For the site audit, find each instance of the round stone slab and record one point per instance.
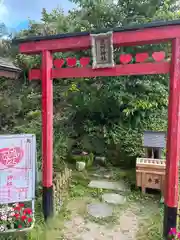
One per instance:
(100, 210)
(113, 198)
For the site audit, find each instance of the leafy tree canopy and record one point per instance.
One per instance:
(103, 115)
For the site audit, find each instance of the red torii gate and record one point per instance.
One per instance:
(130, 36)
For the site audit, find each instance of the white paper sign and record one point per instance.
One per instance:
(17, 168)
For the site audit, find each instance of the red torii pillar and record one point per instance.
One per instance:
(47, 132)
(173, 141)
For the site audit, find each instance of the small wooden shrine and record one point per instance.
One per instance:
(8, 69)
(150, 170)
(154, 143)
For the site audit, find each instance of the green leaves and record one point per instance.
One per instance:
(104, 115)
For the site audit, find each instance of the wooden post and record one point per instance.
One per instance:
(173, 141)
(47, 133)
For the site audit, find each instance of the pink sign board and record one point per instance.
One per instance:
(17, 168)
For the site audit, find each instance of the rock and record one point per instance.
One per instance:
(91, 226)
(80, 166)
(129, 224)
(104, 184)
(100, 210)
(108, 176)
(113, 198)
(77, 221)
(87, 236)
(100, 160)
(117, 236)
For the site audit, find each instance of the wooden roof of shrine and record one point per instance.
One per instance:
(6, 64)
(117, 29)
(8, 69)
(154, 139)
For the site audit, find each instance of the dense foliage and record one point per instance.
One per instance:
(105, 116)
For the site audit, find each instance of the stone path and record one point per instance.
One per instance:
(81, 229)
(84, 228)
(88, 221)
(78, 229)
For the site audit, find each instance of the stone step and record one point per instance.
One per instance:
(100, 176)
(99, 210)
(113, 198)
(104, 184)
